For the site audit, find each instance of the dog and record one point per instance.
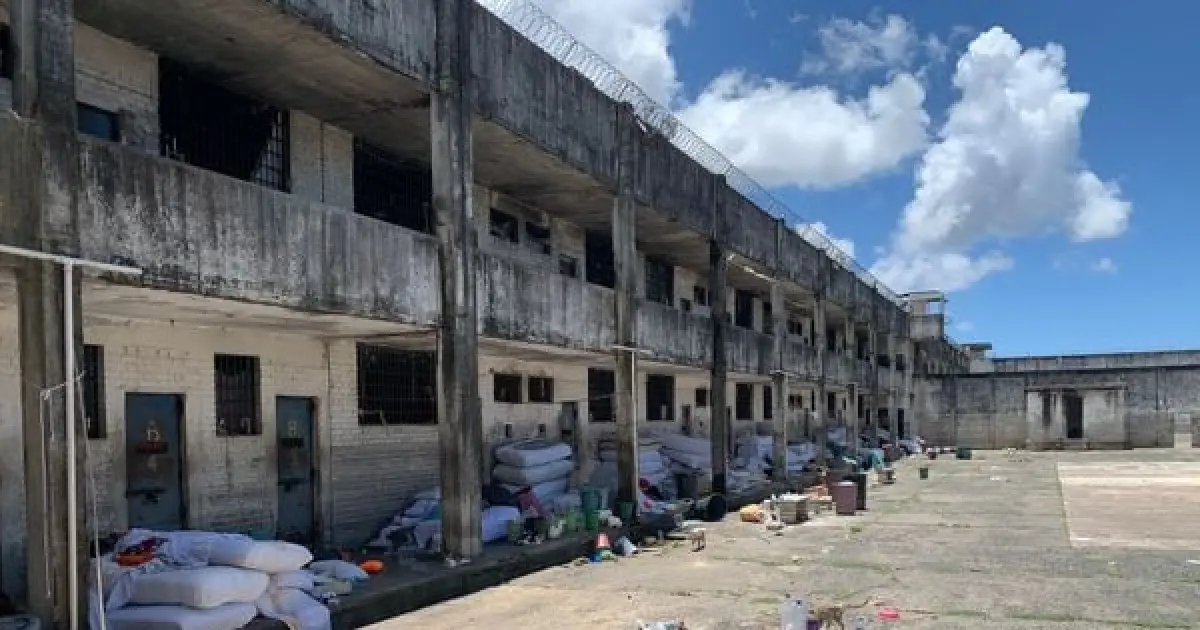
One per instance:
(699, 538)
(829, 615)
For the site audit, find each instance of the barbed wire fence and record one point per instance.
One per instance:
(536, 25)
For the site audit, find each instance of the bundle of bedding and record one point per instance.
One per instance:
(194, 580)
(652, 465)
(419, 524)
(541, 466)
(687, 454)
(757, 452)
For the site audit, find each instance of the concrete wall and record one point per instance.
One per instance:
(993, 410)
(1096, 361)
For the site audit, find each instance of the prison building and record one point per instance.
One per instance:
(374, 240)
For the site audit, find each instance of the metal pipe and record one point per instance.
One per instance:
(72, 491)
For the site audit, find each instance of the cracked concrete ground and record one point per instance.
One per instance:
(985, 543)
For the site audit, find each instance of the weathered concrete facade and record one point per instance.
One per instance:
(1129, 400)
(298, 275)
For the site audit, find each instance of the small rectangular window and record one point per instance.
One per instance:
(743, 309)
(504, 226)
(541, 389)
(768, 403)
(599, 262)
(236, 380)
(93, 391)
(685, 305)
(660, 281)
(701, 397)
(660, 397)
(602, 385)
(396, 386)
(768, 319)
(98, 123)
(539, 238)
(506, 388)
(7, 60)
(744, 401)
(568, 266)
(700, 295)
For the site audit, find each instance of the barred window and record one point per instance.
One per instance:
(237, 394)
(396, 386)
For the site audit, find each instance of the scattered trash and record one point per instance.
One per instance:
(889, 614)
(661, 625)
(625, 547)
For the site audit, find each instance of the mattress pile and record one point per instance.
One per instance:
(756, 452)
(687, 454)
(652, 464)
(542, 466)
(193, 580)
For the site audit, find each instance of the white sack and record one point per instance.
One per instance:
(545, 491)
(300, 579)
(225, 617)
(295, 608)
(205, 587)
(529, 453)
(532, 475)
(272, 556)
(338, 570)
(495, 522)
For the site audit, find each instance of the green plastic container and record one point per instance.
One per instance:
(591, 521)
(625, 512)
(589, 498)
(923, 472)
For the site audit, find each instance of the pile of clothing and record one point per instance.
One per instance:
(418, 525)
(194, 580)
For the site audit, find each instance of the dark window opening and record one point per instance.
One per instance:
(700, 295)
(213, 128)
(504, 226)
(396, 386)
(568, 266)
(885, 360)
(830, 340)
(541, 389)
(392, 190)
(743, 309)
(602, 384)
(831, 404)
(236, 381)
(8, 61)
(685, 305)
(660, 397)
(1073, 410)
(599, 263)
(93, 391)
(901, 363)
(506, 388)
(743, 401)
(862, 407)
(539, 238)
(1047, 409)
(701, 397)
(768, 319)
(98, 123)
(901, 430)
(660, 281)
(768, 403)
(795, 327)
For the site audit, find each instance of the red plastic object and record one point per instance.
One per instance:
(889, 614)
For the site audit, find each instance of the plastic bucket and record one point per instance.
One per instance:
(591, 520)
(589, 498)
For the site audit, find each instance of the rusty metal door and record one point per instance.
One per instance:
(296, 470)
(154, 461)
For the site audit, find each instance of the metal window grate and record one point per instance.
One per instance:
(541, 389)
(602, 385)
(660, 397)
(392, 190)
(396, 386)
(93, 392)
(211, 127)
(236, 381)
(506, 388)
(744, 401)
(660, 281)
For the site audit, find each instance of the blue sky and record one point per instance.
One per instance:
(1058, 267)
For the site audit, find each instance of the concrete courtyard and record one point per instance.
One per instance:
(1026, 540)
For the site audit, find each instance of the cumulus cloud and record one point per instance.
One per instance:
(780, 133)
(1005, 165)
(784, 134)
(849, 46)
(632, 35)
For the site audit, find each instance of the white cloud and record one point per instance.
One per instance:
(784, 134)
(1104, 265)
(1006, 165)
(844, 244)
(848, 46)
(630, 34)
(780, 133)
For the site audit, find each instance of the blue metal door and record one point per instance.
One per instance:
(294, 451)
(154, 461)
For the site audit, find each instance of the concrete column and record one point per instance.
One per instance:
(893, 390)
(820, 413)
(871, 387)
(779, 382)
(43, 218)
(625, 261)
(718, 274)
(460, 420)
